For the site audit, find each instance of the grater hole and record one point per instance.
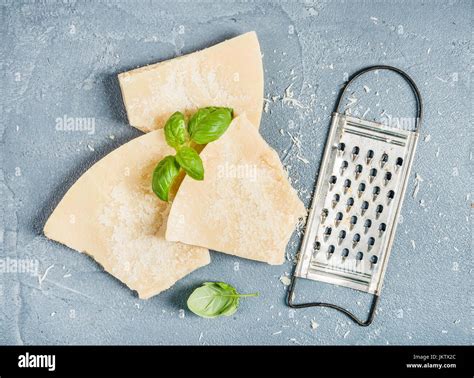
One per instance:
(324, 214)
(359, 256)
(373, 172)
(375, 192)
(327, 233)
(355, 153)
(382, 227)
(342, 236)
(374, 259)
(399, 162)
(364, 206)
(371, 242)
(362, 187)
(388, 177)
(347, 183)
(384, 158)
(345, 252)
(353, 220)
(316, 248)
(339, 216)
(349, 203)
(356, 238)
(331, 249)
(335, 200)
(358, 170)
(341, 147)
(332, 180)
(344, 165)
(378, 211)
(367, 223)
(370, 156)
(390, 194)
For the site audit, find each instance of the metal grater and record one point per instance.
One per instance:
(356, 204)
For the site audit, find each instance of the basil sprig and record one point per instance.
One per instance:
(205, 126)
(214, 299)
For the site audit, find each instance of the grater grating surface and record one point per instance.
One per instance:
(356, 204)
(354, 215)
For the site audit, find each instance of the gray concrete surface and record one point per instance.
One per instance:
(61, 59)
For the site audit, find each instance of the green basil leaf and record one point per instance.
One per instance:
(215, 299)
(175, 130)
(209, 301)
(191, 162)
(163, 177)
(208, 124)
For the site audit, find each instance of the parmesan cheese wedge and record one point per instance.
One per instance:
(245, 205)
(227, 74)
(111, 214)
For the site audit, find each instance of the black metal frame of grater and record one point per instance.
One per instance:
(366, 276)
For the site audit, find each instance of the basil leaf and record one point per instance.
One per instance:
(175, 130)
(215, 299)
(208, 124)
(191, 162)
(163, 176)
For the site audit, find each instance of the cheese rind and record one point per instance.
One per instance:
(245, 205)
(111, 214)
(227, 74)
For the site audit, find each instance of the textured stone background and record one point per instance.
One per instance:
(62, 59)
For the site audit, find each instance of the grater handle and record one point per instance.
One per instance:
(404, 75)
(346, 312)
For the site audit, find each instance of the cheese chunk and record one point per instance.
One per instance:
(111, 214)
(245, 206)
(227, 74)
